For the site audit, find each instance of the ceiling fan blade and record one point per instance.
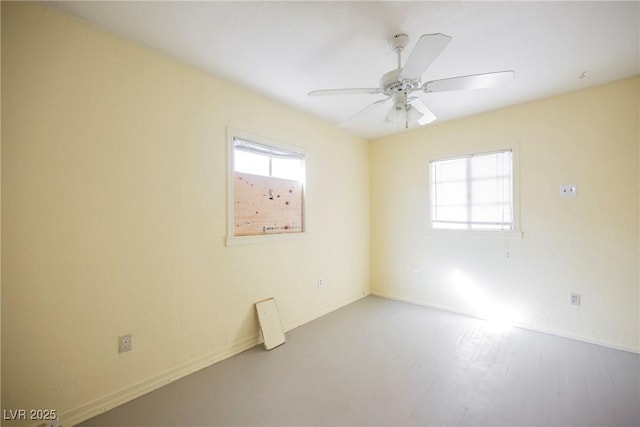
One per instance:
(352, 91)
(366, 109)
(424, 53)
(427, 115)
(476, 81)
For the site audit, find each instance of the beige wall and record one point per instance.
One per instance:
(114, 173)
(588, 244)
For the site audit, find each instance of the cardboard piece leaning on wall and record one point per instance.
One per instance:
(270, 324)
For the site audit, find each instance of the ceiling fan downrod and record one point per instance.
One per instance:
(398, 43)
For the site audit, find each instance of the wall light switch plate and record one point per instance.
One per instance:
(568, 190)
(575, 299)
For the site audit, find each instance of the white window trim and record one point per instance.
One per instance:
(231, 239)
(515, 233)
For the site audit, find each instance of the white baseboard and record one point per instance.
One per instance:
(322, 312)
(127, 394)
(521, 326)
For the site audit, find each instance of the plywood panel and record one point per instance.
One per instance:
(270, 324)
(266, 205)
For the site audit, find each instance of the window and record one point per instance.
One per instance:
(473, 192)
(257, 159)
(267, 190)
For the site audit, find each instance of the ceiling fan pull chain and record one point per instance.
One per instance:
(406, 116)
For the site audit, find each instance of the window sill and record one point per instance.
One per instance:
(267, 238)
(515, 234)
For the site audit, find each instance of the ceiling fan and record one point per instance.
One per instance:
(398, 85)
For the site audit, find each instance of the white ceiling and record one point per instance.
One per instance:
(286, 49)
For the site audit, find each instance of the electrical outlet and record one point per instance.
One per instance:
(124, 343)
(416, 274)
(568, 190)
(575, 299)
(320, 282)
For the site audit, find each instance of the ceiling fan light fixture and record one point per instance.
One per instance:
(396, 115)
(414, 117)
(426, 116)
(405, 116)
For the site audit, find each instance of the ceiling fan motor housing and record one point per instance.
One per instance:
(391, 83)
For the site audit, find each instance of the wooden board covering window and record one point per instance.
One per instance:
(266, 205)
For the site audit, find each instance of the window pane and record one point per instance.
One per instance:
(287, 169)
(451, 193)
(490, 214)
(451, 170)
(483, 166)
(485, 191)
(473, 192)
(451, 213)
(255, 164)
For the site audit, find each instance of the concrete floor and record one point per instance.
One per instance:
(382, 362)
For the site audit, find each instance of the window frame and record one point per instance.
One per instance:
(233, 240)
(515, 232)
